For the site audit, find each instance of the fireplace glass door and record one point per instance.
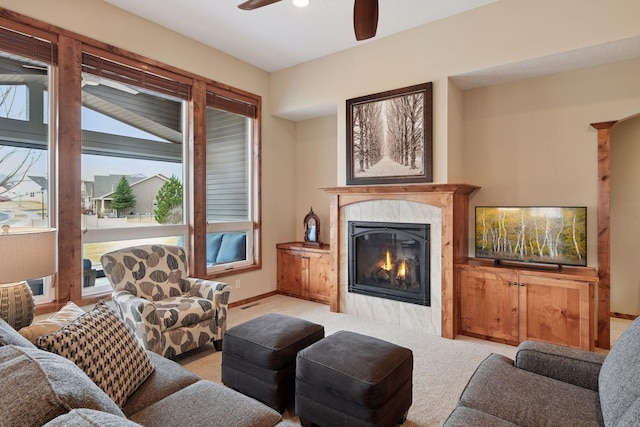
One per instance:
(389, 260)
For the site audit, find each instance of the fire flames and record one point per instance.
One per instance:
(388, 266)
(402, 271)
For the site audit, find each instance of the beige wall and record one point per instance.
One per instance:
(316, 163)
(101, 21)
(625, 215)
(530, 143)
(499, 33)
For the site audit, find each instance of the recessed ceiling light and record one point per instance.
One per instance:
(301, 3)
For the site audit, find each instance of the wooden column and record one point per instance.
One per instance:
(69, 149)
(197, 155)
(604, 232)
(334, 239)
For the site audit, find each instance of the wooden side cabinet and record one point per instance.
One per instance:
(514, 304)
(303, 272)
(489, 305)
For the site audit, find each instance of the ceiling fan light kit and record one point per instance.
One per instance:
(365, 14)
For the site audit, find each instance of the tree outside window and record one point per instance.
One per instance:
(169, 198)
(123, 197)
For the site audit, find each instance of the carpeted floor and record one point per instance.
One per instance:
(442, 367)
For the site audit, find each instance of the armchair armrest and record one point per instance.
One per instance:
(141, 317)
(217, 292)
(571, 365)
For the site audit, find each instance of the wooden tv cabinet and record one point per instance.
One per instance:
(513, 303)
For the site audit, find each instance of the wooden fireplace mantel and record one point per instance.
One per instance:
(453, 199)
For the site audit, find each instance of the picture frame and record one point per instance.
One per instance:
(390, 137)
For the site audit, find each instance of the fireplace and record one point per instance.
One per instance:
(390, 260)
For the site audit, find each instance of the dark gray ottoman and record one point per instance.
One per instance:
(353, 380)
(259, 357)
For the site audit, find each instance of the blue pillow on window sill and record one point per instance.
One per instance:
(233, 248)
(214, 240)
(226, 247)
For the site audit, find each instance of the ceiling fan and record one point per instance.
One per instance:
(365, 15)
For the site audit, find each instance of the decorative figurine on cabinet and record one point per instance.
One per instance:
(312, 230)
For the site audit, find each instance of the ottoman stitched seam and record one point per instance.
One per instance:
(351, 376)
(270, 347)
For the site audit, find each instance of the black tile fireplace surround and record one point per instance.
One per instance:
(390, 260)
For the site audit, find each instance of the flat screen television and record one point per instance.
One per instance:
(534, 234)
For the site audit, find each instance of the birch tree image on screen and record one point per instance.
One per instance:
(554, 235)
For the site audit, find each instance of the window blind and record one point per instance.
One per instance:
(232, 105)
(108, 69)
(28, 46)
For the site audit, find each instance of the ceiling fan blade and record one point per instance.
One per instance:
(254, 4)
(365, 18)
(93, 80)
(35, 67)
(118, 86)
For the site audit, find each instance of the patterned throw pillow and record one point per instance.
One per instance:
(105, 349)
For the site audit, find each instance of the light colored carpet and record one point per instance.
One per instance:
(442, 367)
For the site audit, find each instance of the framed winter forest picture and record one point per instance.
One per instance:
(389, 137)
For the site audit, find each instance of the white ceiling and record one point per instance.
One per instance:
(281, 35)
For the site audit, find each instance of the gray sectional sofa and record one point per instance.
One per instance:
(554, 385)
(42, 388)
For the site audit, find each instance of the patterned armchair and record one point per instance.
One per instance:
(169, 312)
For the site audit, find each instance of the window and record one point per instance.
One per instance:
(25, 187)
(117, 175)
(132, 165)
(94, 281)
(231, 182)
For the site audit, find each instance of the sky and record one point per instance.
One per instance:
(101, 165)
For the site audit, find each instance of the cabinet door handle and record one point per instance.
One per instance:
(522, 284)
(514, 283)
